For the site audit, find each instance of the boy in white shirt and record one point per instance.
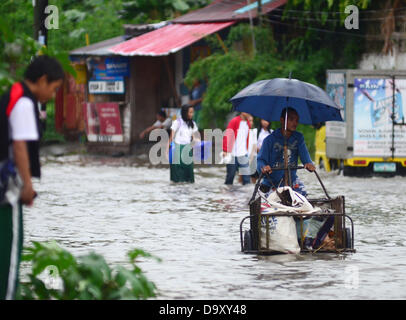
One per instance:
(236, 142)
(20, 132)
(162, 122)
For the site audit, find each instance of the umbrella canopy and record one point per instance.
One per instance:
(267, 98)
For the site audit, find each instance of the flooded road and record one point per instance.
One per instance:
(112, 206)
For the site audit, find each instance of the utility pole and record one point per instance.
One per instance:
(260, 13)
(40, 30)
(41, 35)
(254, 46)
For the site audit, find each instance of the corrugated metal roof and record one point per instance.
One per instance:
(168, 39)
(227, 10)
(102, 48)
(99, 48)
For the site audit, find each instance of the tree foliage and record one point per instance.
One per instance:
(99, 19)
(228, 73)
(311, 39)
(87, 277)
(142, 11)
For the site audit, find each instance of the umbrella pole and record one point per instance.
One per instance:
(285, 159)
(285, 150)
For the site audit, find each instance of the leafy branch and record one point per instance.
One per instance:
(87, 277)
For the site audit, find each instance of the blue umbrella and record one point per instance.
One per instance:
(266, 99)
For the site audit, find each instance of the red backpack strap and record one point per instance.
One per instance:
(16, 93)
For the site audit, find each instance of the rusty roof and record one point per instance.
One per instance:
(168, 39)
(228, 10)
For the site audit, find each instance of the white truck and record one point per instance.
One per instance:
(372, 138)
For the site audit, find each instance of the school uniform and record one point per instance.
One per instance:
(19, 121)
(181, 168)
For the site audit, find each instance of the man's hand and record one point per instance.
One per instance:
(310, 167)
(23, 167)
(27, 194)
(266, 169)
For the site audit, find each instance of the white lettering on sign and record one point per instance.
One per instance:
(99, 87)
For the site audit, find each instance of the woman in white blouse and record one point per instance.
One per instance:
(183, 130)
(265, 131)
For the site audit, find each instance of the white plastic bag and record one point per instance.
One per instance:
(282, 235)
(299, 203)
(282, 230)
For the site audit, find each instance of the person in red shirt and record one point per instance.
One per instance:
(235, 148)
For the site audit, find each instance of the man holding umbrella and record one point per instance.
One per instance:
(304, 103)
(271, 154)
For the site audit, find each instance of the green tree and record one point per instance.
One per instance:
(313, 40)
(144, 11)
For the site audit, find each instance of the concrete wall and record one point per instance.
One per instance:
(378, 61)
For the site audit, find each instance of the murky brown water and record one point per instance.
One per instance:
(111, 206)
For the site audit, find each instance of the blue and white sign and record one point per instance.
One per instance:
(117, 66)
(374, 102)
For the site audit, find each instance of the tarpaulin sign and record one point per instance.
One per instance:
(103, 122)
(374, 102)
(117, 67)
(98, 68)
(336, 89)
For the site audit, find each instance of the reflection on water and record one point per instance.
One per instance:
(111, 206)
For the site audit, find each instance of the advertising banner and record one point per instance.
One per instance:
(374, 101)
(107, 75)
(117, 67)
(336, 89)
(103, 122)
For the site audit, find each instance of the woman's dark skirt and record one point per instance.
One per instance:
(181, 167)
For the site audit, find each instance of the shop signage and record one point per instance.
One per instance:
(106, 86)
(117, 67)
(103, 122)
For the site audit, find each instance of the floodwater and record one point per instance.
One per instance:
(112, 205)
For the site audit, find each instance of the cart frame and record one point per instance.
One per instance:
(343, 235)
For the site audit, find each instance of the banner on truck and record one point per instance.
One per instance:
(336, 89)
(373, 108)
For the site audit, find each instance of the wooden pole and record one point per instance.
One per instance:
(41, 35)
(171, 81)
(260, 13)
(40, 30)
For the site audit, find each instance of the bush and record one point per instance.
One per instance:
(88, 277)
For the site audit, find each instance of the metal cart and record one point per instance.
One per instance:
(343, 225)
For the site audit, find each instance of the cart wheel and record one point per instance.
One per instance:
(248, 241)
(348, 238)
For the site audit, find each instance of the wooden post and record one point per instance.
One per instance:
(170, 77)
(39, 20)
(260, 13)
